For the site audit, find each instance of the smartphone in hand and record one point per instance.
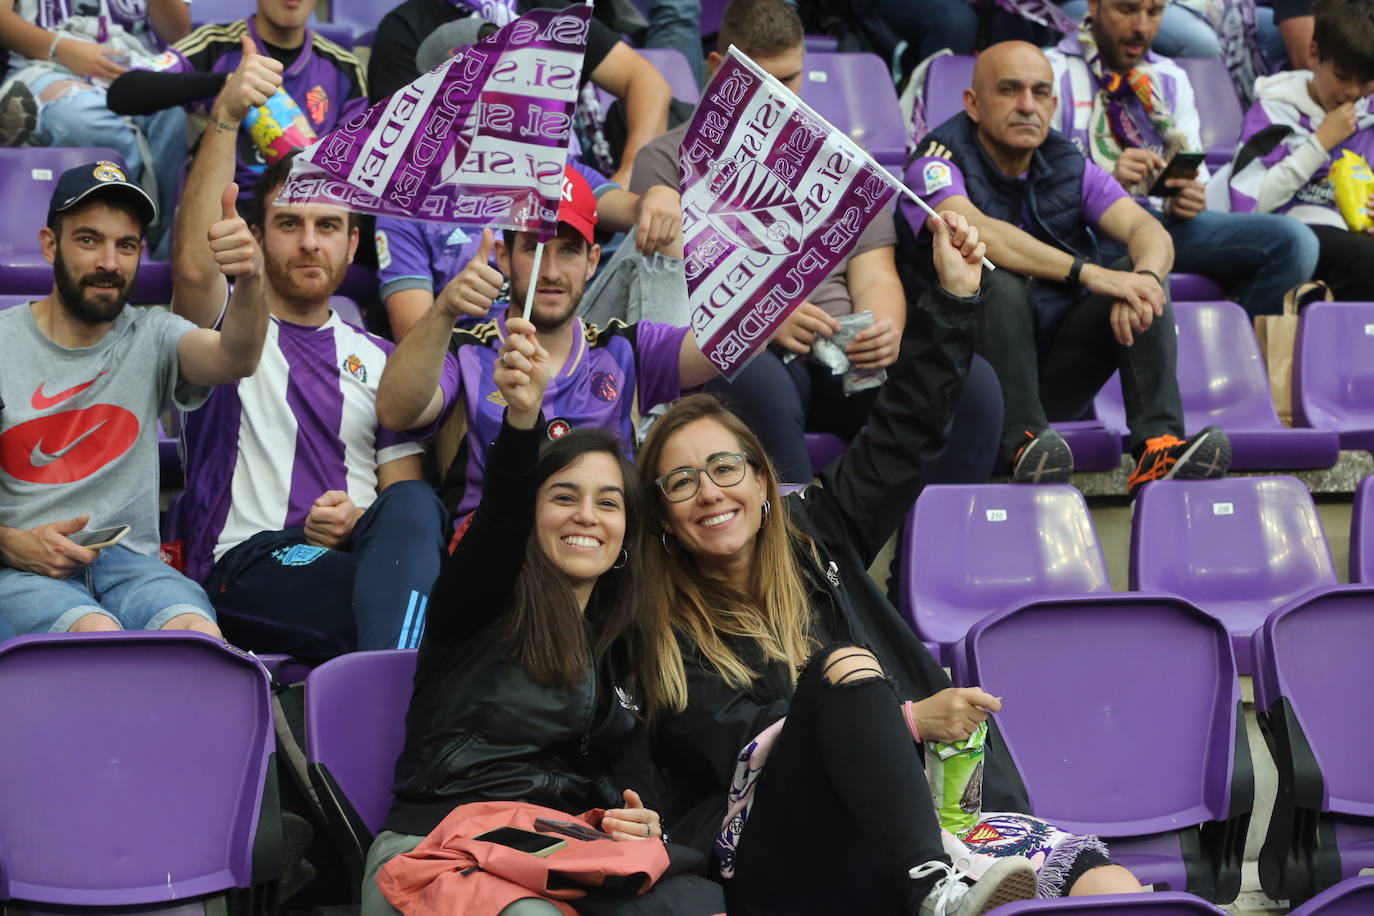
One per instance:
(1183, 165)
(100, 537)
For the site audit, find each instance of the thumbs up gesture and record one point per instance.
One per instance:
(236, 251)
(475, 287)
(253, 81)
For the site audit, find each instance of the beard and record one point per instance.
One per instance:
(545, 318)
(304, 294)
(101, 307)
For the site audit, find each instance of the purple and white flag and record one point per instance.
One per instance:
(498, 11)
(773, 197)
(482, 139)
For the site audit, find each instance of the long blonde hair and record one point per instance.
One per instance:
(774, 612)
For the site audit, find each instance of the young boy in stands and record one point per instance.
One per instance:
(309, 525)
(83, 384)
(1302, 122)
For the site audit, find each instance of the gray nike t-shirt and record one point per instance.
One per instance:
(78, 429)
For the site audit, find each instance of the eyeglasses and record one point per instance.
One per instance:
(725, 470)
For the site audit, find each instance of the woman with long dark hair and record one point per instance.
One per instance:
(538, 645)
(772, 614)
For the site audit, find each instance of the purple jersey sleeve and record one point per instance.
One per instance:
(933, 178)
(599, 183)
(1100, 191)
(403, 254)
(658, 349)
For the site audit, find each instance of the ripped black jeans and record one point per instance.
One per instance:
(842, 810)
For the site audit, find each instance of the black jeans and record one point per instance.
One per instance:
(1345, 260)
(781, 402)
(1057, 379)
(842, 810)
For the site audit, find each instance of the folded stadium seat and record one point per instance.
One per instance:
(1238, 547)
(974, 550)
(1362, 532)
(1333, 371)
(1354, 897)
(1222, 380)
(284, 669)
(355, 709)
(337, 32)
(711, 13)
(138, 774)
(854, 92)
(1167, 903)
(946, 79)
(1094, 446)
(821, 43)
(348, 311)
(1122, 713)
(1194, 288)
(1217, 107)
(1314, 696)
(823, 448)
(675, 69)
(168, 457)
(360, 17)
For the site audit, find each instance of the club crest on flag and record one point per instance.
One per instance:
(757, 209)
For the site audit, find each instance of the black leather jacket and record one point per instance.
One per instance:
(478, 727)
(864, 496)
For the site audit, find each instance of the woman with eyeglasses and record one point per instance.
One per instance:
(785, 668)
(536, 654)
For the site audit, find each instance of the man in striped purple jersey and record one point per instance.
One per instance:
(308, 523)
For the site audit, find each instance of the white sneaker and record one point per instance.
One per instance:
(1009, 880)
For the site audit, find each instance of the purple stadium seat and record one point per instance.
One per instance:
(1167, 903)
(1217, 106)
(675, 69)
(821, 43)
(355, 708)
(1238, 547)
(711, 13)
(137, 770)
(360, 17)
(1222, 380)
(970, 551)
(1333, 371)
(1094, 446)
(854, 92)
(11, 301)
(1314, 694)
(823, 448)
(168, 457)
(348, 311)
(1362, 532)
(284, 669)
(946, 79)
(1354, 897)
(1194, 288)
(1087, 681)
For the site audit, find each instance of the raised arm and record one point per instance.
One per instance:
(409, 395)
(625, 74)
(475, 584)
(218, 357)
(197, 283)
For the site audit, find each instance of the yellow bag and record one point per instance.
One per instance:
(1353, 182)
(1278, 336)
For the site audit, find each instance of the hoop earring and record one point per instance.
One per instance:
(767, 508)
(624, 558)
(663, 536)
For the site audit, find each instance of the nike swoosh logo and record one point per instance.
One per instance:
(39, 458)
(41, 401)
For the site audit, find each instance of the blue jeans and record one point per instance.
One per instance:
(138, 592)
(276, 593)
(1260, 256)
(677, 24)
(1183, 33)
(81, 118)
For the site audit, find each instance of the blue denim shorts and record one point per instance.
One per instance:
(136, 591)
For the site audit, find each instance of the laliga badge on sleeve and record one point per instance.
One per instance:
(936, 175)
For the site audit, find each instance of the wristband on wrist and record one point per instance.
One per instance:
(1158, 278)
(909, 714)
(52, 48)
(1075, 271)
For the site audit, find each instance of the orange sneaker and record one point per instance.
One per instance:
(1203, 457)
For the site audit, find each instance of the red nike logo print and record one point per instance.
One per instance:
(41, 401)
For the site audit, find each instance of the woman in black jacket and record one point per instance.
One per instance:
(528, 674)
(757, 583)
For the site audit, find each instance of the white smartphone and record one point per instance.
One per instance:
(100, 537)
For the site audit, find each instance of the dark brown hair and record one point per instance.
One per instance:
(1344, 34)
(265, 191)
(760, 28)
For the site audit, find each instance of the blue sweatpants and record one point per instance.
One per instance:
(276, 593)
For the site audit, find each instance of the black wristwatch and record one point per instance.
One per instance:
(1075, 270)
(1151, 273)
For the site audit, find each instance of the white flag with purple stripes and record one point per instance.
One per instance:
(773, 197)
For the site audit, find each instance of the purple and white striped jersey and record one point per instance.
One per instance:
(1281, 166)
(261, 451)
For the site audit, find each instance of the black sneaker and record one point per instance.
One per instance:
(18, 114)
(1204, 457)
(1043, 458)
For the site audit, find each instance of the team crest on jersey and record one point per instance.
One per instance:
(354, 367)
(497, 398)
(317, 103)
(557, 428)
(604, 387)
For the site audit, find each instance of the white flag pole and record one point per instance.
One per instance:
(873, 163)
(534, 279)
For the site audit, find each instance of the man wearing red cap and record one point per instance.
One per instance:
(598, 372)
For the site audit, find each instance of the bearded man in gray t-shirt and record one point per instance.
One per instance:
(85, 380)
